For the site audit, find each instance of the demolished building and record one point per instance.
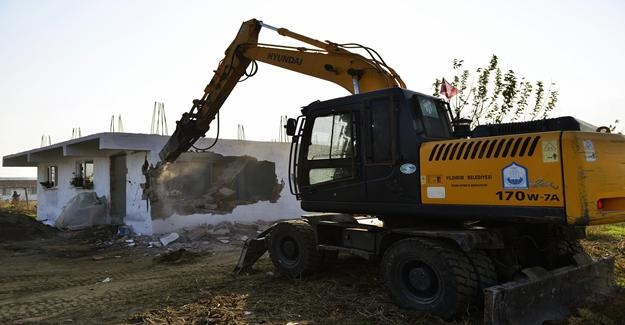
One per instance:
(236, 181)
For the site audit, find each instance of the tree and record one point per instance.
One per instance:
(497, 97)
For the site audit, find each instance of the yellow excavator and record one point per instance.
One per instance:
(489, 216)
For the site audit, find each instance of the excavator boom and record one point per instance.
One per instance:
(328, 61)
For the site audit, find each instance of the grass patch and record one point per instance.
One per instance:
(604, 241)
(616, 230)
(21, 207)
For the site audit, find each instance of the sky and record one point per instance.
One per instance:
(75, 63)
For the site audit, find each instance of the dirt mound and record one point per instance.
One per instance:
(17, 227)
(225, 309)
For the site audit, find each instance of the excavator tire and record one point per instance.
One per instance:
(486, 273)
(431, 276)
(293, 250)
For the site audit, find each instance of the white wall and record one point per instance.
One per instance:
(51, 201)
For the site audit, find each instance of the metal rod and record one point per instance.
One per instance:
(356, 85)
(268, 26)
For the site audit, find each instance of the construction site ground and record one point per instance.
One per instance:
(93, 276)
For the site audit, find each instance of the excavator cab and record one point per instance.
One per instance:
(361, 150)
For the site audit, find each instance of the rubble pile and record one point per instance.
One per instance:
(199, 239)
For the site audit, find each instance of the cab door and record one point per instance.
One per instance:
(379, 125)
(329, 175)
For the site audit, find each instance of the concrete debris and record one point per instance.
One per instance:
(224, 240)
(223, 224)
(246, 226)
(154, 244)
(196, 234)
(83, 211)
(165, 240)
(107, 280)
(226, 193)
(222, 231)
(174, 194)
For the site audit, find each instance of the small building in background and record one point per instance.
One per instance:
(24, 186)
(236, 181)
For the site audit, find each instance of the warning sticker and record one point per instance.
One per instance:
(550, 151)
(589, 151)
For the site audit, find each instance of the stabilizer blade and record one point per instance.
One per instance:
(549, 295)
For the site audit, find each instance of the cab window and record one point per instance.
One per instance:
(331, 137)
(433, 118)
(331, 149)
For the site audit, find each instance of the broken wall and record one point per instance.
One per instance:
(237, 181)
(137, 209)
(210, 183)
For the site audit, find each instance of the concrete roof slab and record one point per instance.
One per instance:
(95, 145)
(17, 160)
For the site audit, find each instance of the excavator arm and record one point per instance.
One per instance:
(327, 60)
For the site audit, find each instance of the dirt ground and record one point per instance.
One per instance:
(93, 277)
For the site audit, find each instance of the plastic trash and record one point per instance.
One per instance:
(166, 240)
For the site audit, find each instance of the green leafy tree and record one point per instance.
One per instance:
(493, 96)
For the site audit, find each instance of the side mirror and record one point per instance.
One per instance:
(291, 126)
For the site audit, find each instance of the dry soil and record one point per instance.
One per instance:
(93, 277)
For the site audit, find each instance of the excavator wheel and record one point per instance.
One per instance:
(431, 276)
(292, 248)
(486, 273)
(485, 268)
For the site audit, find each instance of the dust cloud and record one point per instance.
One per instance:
(209, 183)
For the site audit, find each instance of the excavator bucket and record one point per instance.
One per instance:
(549, 295)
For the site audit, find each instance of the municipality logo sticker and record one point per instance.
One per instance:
(514, 177)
